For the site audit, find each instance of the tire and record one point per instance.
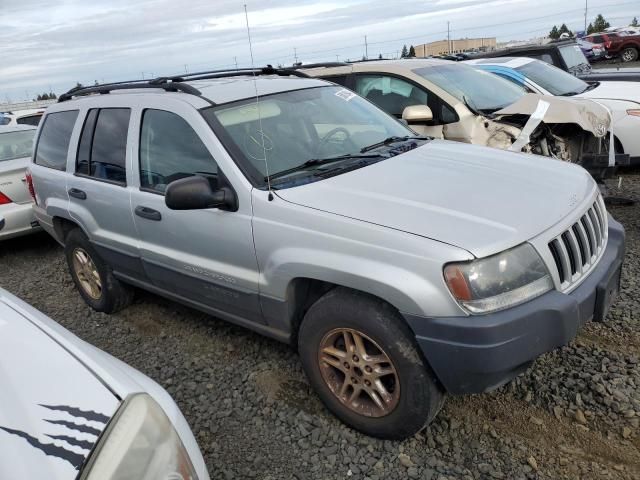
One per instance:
(629, 54)
(111, 294)
(418, 397)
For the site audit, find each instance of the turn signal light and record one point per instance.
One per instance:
(457, 282)
(635, 112)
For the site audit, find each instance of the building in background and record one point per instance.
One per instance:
(443, 47)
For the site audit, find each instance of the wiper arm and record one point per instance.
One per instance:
(390, 140)
(471, 109)
(314, 162)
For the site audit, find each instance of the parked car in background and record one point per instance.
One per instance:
(72, 411)
(592, 51)
(454, 101)
(400, 267)
(566, 56)
(16, 147)
(621, 98)
(626, 47)
(22, 117)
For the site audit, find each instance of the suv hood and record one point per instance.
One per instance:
(480, 199)
(52, 408)
(615, 91)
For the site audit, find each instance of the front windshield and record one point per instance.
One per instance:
(482, 91)
(299, 126)
(552, 79)
(17, 144)
(574, 58)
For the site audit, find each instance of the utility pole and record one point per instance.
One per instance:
(235, 60)
(366, 48)
(185, 68)
(295, 54)
(337, 58)
(448, 39)
(586, 2)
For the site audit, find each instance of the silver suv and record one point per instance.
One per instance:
(400, 267)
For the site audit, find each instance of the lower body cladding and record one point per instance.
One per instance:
(475, 354)
(18, 220)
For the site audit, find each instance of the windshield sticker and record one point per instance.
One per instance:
(345, 94)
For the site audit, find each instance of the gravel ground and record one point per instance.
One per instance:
(574, 414)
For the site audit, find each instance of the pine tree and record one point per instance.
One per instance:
(554, 34)
(39, 97)
(600, 24)
(412, 52)
(405, 52)
(52, 96)
(564, 29)
(590, 29)
(379, 56)
(634, 22)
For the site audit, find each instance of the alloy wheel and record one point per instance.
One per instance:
(87, 273)
(358, 372)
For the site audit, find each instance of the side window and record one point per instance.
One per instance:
(53, 143)
(545, 57)
(30, 120)
(169, 150)
(102, 150)
(391, 94)
(339, 79)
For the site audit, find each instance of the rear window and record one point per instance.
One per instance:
(53, 143)
(16, 144)
(30, 120)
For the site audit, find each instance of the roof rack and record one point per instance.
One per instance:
(319, 65)
(176, 83)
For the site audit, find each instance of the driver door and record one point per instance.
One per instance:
(203, 256)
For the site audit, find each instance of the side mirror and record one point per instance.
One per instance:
(417, 114)
(195, 193)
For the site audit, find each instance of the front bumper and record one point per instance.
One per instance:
(18, 220)
(474, 354)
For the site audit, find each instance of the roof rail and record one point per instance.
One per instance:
(302, 66)
(176, 83)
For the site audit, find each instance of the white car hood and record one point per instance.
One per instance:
(480, 199)
(629, 91)
(52, 408)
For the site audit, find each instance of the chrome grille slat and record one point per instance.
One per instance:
(576, 250)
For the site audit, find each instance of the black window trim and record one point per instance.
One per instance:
(41, 129)
(95, 123)
(437, 98)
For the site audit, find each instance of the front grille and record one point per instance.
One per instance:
(576, 250)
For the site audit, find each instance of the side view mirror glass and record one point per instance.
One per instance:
(417, 114)
(195, 193)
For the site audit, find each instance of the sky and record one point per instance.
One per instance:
(49, 46)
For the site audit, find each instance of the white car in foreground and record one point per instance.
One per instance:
(621, 98)
(16, 146)
(69, 410)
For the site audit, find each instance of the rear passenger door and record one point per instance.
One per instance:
(205, 256)
(99, 199)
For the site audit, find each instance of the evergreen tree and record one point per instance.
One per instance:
(412, 52)
(634, 22)
(564, 29)
(590, 29)
(405, 52)
(600, 24)
(52, 96)
(379, 56)
(554, 33)
(39, 97)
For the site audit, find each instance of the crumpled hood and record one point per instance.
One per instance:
(480, 199)
(52, 408)
(615, 91)
(591, 116)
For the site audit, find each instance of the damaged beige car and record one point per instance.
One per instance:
(444, 99)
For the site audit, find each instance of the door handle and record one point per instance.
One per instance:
(79, 194)
(148, 213)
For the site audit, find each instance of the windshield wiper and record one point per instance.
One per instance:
(314, 162)
(473, 110)
(591, 86)
(390, 140)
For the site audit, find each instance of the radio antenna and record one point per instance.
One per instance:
(255, 85)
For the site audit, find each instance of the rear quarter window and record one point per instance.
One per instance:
(55, 136)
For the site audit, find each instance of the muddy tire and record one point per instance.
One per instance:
(362, 360)
(629, 54)
(93, 277)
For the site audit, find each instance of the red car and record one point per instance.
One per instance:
(627, 47)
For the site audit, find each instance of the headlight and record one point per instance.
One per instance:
(140, 443)
(635, 112)
(500, 281)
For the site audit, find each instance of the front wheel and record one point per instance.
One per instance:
(629, 55)
(362, 360)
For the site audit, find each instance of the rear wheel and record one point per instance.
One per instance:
(362, 359)
(629, 54)
(93, 277)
